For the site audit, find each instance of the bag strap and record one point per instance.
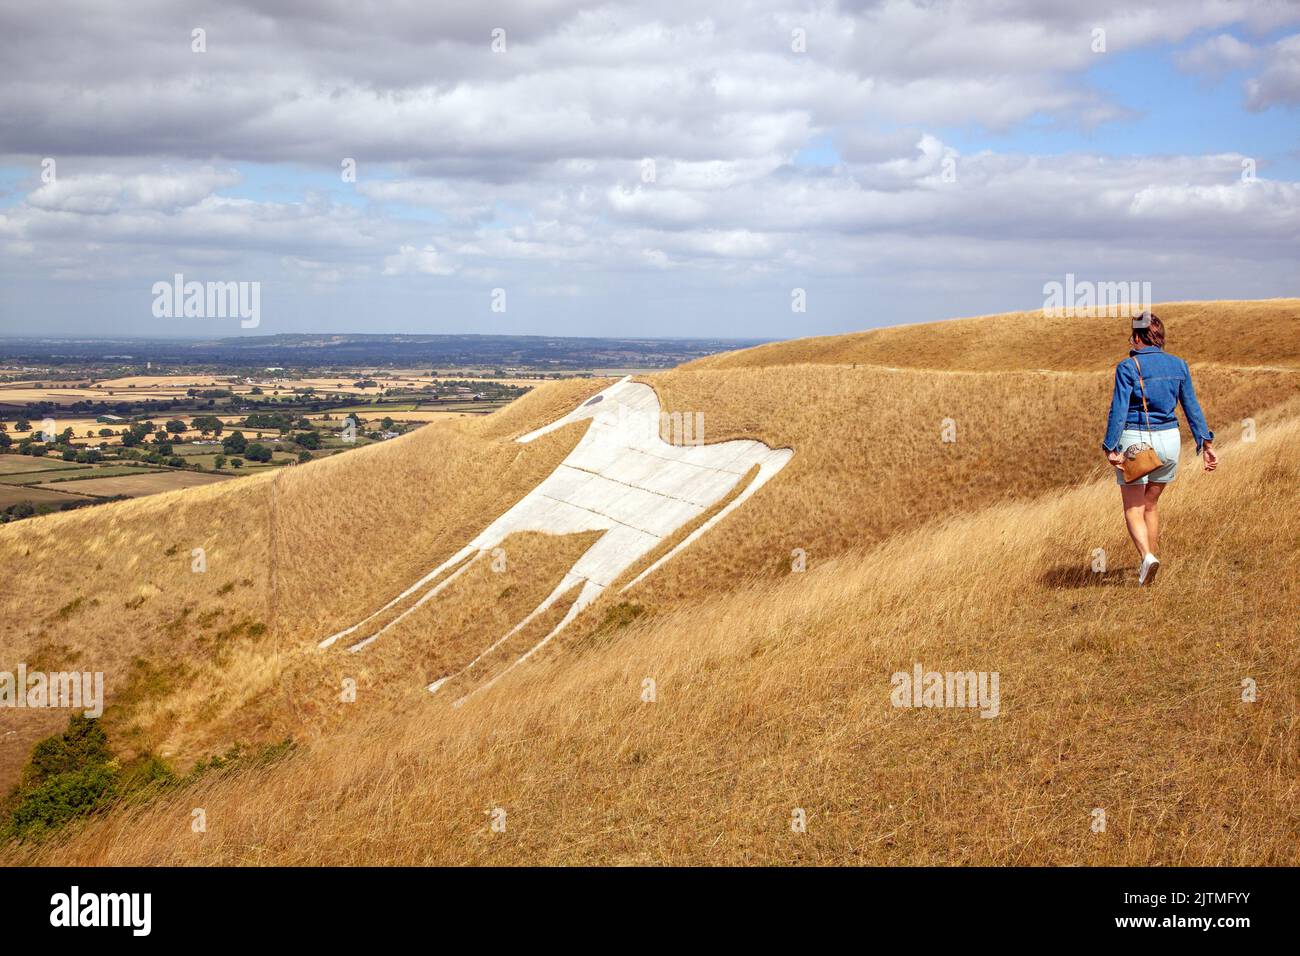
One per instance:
(1143, 386)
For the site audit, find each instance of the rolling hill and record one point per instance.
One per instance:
(685, 719)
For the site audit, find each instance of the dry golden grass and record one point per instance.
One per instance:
(778, 697)
(291, 557)
(773, 686)
(869, 461)
(1259, 333)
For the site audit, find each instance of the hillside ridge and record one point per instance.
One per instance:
(194, 664)
(795, 709)
(1250, 332)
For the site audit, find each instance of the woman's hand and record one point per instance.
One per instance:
(1211, 459)
(1116, 458)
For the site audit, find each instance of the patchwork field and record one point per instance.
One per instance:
(58, 394)
(180, 382)
(13, 494)
(92, 473)
(52, 473)
(134, 483)
(769, 642)
(17, 465)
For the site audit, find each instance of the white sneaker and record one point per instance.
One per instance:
(1147, 573)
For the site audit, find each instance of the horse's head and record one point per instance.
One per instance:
(618, 400)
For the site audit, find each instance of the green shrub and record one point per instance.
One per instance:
(73, 774)
(147, 776)
(68, 775)
(60, 798)
(619, 616)
(84, 744)
(238, 756)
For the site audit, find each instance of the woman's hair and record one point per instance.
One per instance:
(1154, 334)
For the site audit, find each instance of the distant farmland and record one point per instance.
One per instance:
(15, 494)
(135, 485)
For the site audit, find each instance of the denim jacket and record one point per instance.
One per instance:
(1168, 383)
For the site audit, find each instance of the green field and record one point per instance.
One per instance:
(209, 462)
(96, 471)
(38, 477)
(73, 473)
(16, 494)
(142, 481)
(24, 464)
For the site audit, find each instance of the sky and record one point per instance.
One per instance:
(734, 169)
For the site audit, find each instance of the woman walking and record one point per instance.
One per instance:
(1149, 384)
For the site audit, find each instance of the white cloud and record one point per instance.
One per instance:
(528, 167)
(167, 190)
(698, 82)
(1279, 83)
(419, 261)
(1218, 54)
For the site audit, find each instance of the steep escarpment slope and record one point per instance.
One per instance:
(700, 735)
(193, 661)
(1245, 333)
(884, 452)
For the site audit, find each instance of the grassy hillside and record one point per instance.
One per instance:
(195, 661)
(778, 697)
(773, 686)
(1258, 333)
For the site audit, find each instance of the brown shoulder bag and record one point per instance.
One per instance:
(1140, 458)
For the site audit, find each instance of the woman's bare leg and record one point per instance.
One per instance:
(1151, 515)
(1135, 506)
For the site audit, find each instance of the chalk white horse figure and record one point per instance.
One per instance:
(621, 478)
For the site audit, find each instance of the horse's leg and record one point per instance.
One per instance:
(458, 556)
(568, 582)
(590, 591)
(432, 592)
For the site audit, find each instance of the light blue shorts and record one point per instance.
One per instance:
(1167, 444)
